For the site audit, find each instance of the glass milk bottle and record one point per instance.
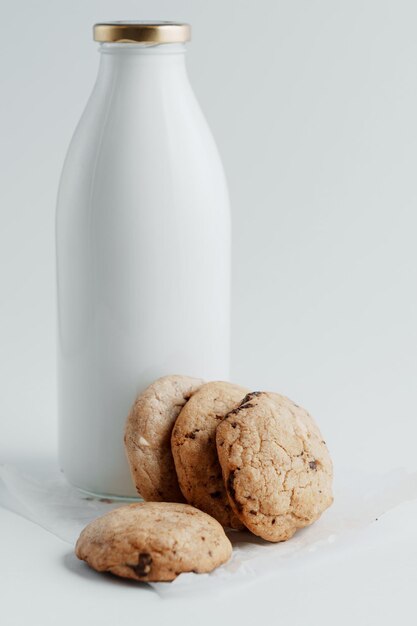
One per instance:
(143, 248)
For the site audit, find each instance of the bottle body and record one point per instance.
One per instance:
(143, 256)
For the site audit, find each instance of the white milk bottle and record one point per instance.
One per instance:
(143, 248)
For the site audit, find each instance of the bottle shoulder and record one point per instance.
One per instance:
(151, 143)
(156, 116)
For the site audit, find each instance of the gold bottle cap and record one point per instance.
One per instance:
(142, 32)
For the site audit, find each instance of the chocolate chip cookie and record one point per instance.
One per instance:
(148, 437)
(276, 466)
(194, 449)
(154, 541)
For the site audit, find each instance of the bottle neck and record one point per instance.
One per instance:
(134, 77)
(129, 60)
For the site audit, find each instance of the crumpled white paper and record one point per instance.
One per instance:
(360, 499)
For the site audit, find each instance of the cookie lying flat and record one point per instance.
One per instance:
(276, 466)
(154, 541)
(194, 449)
(148, 437)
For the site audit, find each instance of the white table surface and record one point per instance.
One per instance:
(370, 581)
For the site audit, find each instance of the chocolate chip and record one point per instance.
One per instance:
(192, 435)
(273, 521)
(230, 485)
(252, 512)
(231, 490)
(239, 408)
(216, 494)
(313, 465)
(144, 564)
(203, 538)
(233, 424)
(245, 404)
(249, 396)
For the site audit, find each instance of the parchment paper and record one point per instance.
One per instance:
(360, 500)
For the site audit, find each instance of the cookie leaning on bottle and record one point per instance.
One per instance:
(148, 437)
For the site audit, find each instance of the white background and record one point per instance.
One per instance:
(313, 105)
